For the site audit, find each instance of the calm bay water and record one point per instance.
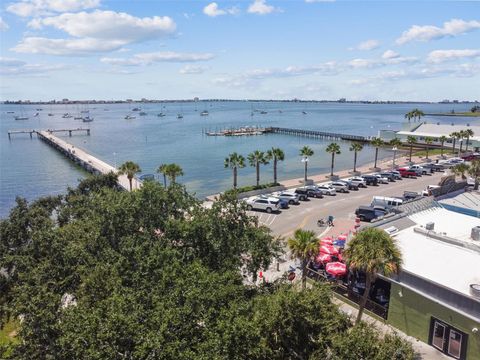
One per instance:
(29, 168)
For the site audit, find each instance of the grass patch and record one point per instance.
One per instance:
(432, 152)
(8, 334)
(251, 188)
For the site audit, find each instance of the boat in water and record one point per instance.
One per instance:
(142, 113)
(87, 119)
(67, 116)
(36, 114)
(136, 109)
(179, 116)
(21, 118)
(129, 117)
(263, 112)
(78, 118)
(204, 113)
(304, 112)
(50, 114)
(161, 114)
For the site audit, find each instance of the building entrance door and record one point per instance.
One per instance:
(448, 339)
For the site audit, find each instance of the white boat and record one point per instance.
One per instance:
(129, 117)
(21, 118)
(87, 119)
(36, 114)
(67, 116)
(204, 113)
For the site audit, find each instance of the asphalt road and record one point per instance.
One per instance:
(341, 206)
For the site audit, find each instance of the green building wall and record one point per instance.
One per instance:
(412, 312)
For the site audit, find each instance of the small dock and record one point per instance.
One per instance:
(317, 134)
(242, 131)
(78, 155)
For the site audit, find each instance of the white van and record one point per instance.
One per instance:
(386, 202)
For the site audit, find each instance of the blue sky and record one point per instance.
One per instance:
(375, 50)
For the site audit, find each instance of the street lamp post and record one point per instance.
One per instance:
(305, 161)
(394, 153)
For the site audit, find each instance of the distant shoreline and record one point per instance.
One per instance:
(146, 101)
(459, 114)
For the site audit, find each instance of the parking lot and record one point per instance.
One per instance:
(341, 206)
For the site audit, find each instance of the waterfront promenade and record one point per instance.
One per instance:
(86, 160)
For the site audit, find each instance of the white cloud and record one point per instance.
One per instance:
(192, 69)
(10, 66)
(261, 7)
(438, 56)
(98, 31)
(86, 46)
(390, 54)
(213, 10)
(154, 57)
(368, 45)
(108, 25)
(3, 25)
(27, 8)
(453, 27)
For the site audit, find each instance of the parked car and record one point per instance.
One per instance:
(397, 175)
(350, 184)
(340, 186)
(406, 172)
(370, 180)
(428, 189)
(314, 191)
(381, 179)
(386, 202)
(410, 195)
(327, 190)
(421, 170)
(290, 197)
(302, 194)
(369, 213)
(359, 181)
(269, 204)
(389, 175)
(471, 157)
(434, 167)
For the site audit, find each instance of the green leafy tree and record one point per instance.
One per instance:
(428, 142)
(472, 169)
(376, 142)
(129, 169)
(411, 140)
(442, 139)
(372, 251)
(234, 161)
(276, 155)
(255, 159)
(468, 134)
(163, 169)
(355, 147)
(306, 152)
(333, 149)
(418, 114)
(304, 246)
(409, 116)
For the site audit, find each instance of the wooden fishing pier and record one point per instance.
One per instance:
(317, 134)
(81, 157)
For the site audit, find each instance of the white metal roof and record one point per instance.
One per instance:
(449, 265)
(434, 130)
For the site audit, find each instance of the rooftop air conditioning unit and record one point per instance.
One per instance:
(476, 233)
(430, 226)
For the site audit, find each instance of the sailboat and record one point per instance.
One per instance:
(87, 119)
(129, 117)
(22, 115)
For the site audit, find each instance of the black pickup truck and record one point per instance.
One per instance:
(370, 180)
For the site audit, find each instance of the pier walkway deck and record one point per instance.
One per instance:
(84, 159)
(317, 134)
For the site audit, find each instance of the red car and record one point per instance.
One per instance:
(470, 157)
(404, 172)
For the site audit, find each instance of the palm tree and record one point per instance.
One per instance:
(277, 155)
(428, 141)
(473, 170)
(255, 159)
(461, 136)
(356, 147)
(409, 116)
(333, 149)
(418, 114)
(377, 142)
(442, 139)
(173, 171)
(468, 134)
(306, 152)
(304, 246)
(129, 168)
(411, 140)
(454, 135)
(163, 169)
(372, 251)
(395, 142)
(234, 162)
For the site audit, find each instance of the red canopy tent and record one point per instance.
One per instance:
(323, 258)
(328, 249)
(336, 268)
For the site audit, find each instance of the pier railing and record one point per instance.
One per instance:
(317, 134)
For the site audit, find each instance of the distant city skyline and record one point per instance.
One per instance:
(255, 49)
